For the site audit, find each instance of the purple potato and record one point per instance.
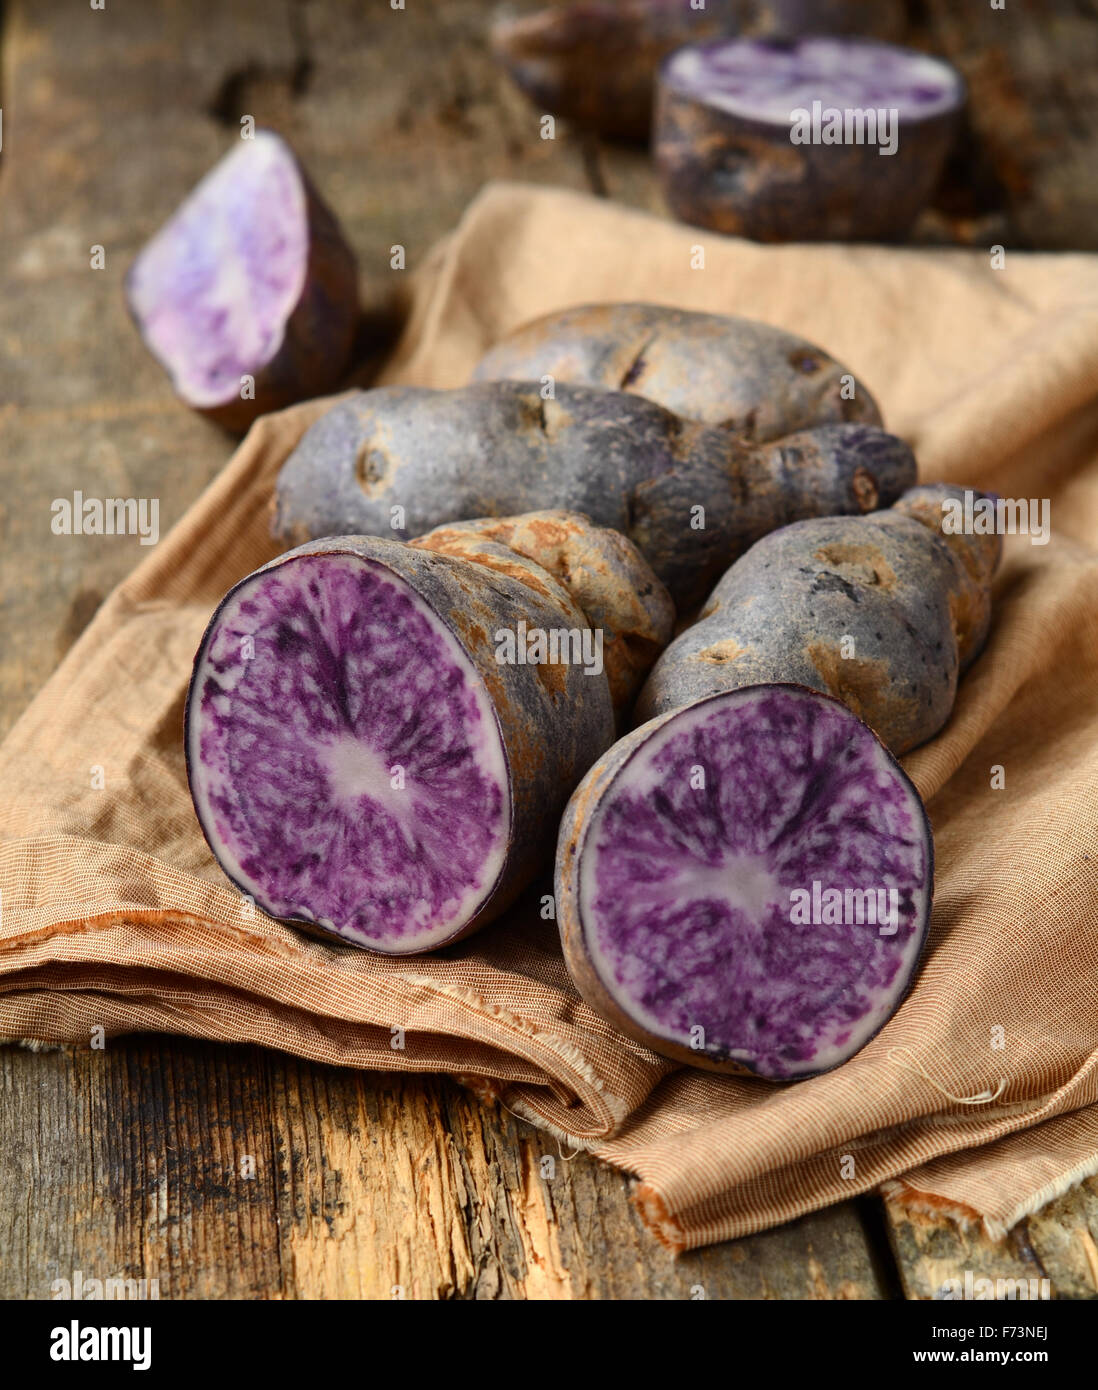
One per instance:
(360, 760)
(697, 871)
(595, 61)
(603, 573)
(886, 612)
(402, 460)
(251, 277)
(739, 148)
(745, 375)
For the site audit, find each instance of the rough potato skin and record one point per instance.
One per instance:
(730, 174)
(595, 61)
(403, 460)
(916, 603)
(745, 375)
(970, 600)
(554, 719)
(603, 573)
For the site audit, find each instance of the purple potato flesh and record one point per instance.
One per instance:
(249, 278)
(765, 81)
(294, 754)
(824, 138)
(358, 758)
(745, 884)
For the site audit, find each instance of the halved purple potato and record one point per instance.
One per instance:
(595, 61)
(361, 762)
(251, 277)
(728, 112)
(694, 857)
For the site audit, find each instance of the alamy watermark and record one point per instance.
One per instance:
(76, 1343)
(852, 907)
(828, 125)
(984, 1290)
(114, 1287)
(984, 514)
(555, 646)
(106, 516)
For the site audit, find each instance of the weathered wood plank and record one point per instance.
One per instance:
(1058, 1243)
(1063, 1238)
(1032, 72)
(931, 1249)
(123, 1163)
(135, 1161)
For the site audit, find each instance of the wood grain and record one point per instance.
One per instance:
(134, 1161)
(1027, 176)
(1057, 1243)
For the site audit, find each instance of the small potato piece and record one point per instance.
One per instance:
(248, 295)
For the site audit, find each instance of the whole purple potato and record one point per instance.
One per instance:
(886, 612)
(745, 884)
(402, 460)
(366, 755)
(604, 574)
(595, 61)
(745, 375)
(248, 295)
(821, 139)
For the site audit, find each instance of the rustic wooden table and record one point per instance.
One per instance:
(126, 1161)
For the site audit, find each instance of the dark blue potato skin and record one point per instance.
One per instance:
(578, 817)
(746, 178)
(555, 720)
(917, 604)
(745, 375)
(595, 61)
(497, 449)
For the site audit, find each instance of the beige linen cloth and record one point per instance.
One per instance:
(980, 1097)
